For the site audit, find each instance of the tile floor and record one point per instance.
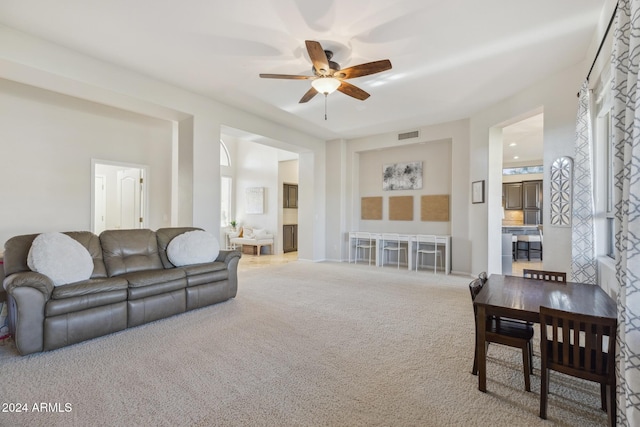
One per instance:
(248, 262)
(520, 265)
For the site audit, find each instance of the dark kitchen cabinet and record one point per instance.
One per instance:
(513, 195)
(290, 238)
(532, 194)
(290, 196)
(532, 202)
(532, 216)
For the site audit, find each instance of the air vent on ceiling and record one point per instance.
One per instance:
(408, 135)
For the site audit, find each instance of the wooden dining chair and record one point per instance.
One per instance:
(549, 276)
(582, 346)
(506, 332)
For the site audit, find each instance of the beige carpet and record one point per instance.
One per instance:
(302, 344)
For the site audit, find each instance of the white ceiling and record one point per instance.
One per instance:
(523, 141)
(450, 58)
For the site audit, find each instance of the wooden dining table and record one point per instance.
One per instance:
(519, 298)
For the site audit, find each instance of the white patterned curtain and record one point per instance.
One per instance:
(583, 255)
(626, 143)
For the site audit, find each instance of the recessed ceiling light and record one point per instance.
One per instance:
(513, 144)
(515, 157)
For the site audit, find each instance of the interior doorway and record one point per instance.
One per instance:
(259, 161)
(119, 196)
(522, 191)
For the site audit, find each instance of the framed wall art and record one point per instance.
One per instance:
(255, 200)
(477, 191)
(402, 176)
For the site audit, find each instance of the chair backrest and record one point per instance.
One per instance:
(364, 238)
(585, 355)
(483, 276)
(475, 287)
(427, 239)
(390, 237)
(549, 276)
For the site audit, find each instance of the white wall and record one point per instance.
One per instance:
(257, 166)
(329, 172)
(38, 63)
(47, 142)
(436, 164)
(556, 96)
(344, 166)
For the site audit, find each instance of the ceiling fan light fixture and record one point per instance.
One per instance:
(326, 85)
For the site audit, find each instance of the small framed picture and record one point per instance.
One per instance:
(477, 192)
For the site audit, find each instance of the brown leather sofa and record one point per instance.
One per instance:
(133, 282)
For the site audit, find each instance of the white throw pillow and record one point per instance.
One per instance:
(259, 233)
(193, 247)
(63, 259)
(247, 232)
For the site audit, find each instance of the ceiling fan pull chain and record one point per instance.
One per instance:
(325, 105)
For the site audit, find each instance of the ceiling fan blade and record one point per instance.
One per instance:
(318, 57)
(285, 76)
(364, 69)
(354, 91)
(307, 96)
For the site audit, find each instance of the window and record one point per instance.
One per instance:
(225, 201)
(226, 188)
(610, 193)
(224, 155)
(603, 180)
(523, 170)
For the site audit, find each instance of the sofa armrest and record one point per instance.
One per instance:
(227, 256)
(31, 279)
(28, 294)
(231, 259)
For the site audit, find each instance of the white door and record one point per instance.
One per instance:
(100, 205)
(129, 184)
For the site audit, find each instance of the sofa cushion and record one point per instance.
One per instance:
(259, 233)
(154, 277)
(60, 258)
(143, 284)
(17, 251)
(92, 243)
(89, 287)
(193, 247)
(165, 236)
(57, 307)
(127, 251)
(252, 242)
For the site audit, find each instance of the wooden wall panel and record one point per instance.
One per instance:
(371, 208)
(434, 208)
(401, 208)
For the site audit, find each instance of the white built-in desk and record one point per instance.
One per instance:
(410, 241)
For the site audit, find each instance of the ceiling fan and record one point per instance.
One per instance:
(328, 76)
